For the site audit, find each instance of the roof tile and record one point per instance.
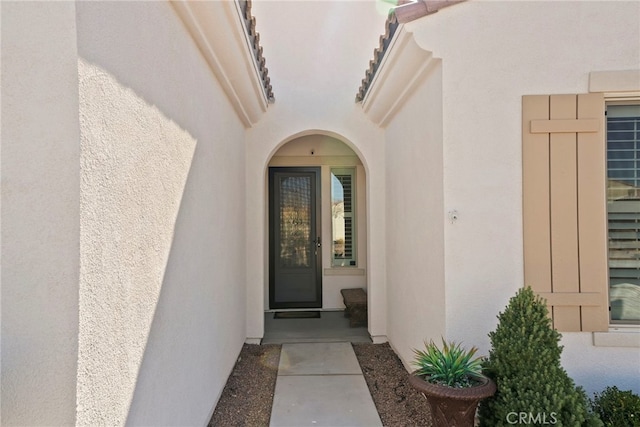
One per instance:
(406, 11)
(254, 38)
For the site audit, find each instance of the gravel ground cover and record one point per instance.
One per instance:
(248, 395)
(398, 404)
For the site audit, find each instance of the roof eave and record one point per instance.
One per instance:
(412, 11)
(402, 14)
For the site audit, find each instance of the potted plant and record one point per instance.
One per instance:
(451, 380)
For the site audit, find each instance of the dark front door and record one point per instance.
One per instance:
(294, 243)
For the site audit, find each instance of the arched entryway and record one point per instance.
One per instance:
(317, 226)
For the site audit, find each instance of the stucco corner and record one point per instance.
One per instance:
(404, 67)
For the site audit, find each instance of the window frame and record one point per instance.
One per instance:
(616, 99)
(352, 261)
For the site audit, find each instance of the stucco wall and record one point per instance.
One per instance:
(40, 214)
(517, 48)
(415, 219)
(315, 95)
(162, 292)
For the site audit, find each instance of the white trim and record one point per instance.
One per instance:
(626, 336)
(621, 96)
(409, 64)
(219, 39)
(614, 81)
(619, 334)
(338, 161)
(249, 52)
(394, 40)
(344, 271)
(353, 215)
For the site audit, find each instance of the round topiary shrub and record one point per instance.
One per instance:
(617, 408)
(524, 362)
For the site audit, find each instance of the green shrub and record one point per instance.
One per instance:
(617, 408)
(524, 361)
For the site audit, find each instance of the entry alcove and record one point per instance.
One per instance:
(341, 219)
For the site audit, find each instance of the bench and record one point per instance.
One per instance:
(355, 301)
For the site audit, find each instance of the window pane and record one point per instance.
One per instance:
(615, 124)
(621, 154)
(343, 217)
(295, 221)
(621, 164)
(624, 145)
(620, 136)
(623, 206)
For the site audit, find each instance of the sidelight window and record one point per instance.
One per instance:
(343, 218)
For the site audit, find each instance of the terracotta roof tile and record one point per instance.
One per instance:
(406, 11)
(412, 11)
(254, 38)
(391, 25)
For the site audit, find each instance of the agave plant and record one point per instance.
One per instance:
(452, 365)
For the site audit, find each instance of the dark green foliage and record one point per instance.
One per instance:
(617, 408)
(525, 364)
(452, 365)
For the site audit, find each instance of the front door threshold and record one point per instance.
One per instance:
(332, 326)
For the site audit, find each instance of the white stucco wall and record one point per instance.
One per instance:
(40, 213)
(145, 183)
(415, 220)
(315, 95)
(162, 297)
(509, 49)
(595, 367)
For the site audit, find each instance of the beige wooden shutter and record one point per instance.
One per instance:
(564, 207)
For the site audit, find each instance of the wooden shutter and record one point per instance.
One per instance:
(564, 207)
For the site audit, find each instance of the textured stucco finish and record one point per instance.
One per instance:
(415, 219)
(162, 284)
(130, 182)
(40, 213)
(483, 80)
(595, 368)
(134, 166)
(315, 96)
(117, 141)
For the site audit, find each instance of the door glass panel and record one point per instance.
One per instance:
(295, 221)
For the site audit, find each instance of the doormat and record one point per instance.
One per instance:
(296, 315)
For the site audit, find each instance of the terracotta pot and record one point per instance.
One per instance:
(453, 407)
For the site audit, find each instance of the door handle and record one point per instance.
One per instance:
(318, 242)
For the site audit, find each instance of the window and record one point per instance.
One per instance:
(623, 212)
(343, 218)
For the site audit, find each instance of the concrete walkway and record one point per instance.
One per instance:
(321, 384)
